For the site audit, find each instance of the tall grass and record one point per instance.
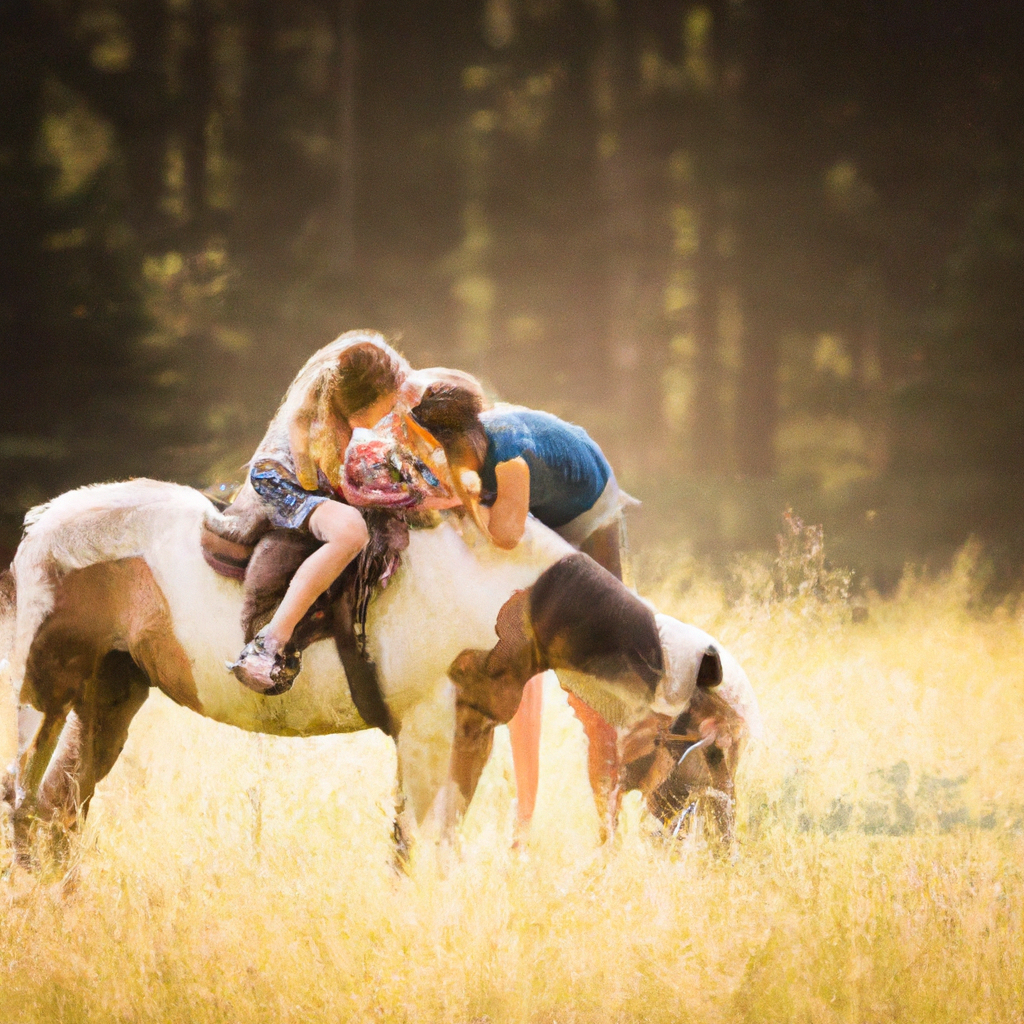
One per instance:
(229, 878)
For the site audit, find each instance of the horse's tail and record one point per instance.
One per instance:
(7, 592)
(99, 523)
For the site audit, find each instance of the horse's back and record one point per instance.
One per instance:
(128, 554)
(445, 598)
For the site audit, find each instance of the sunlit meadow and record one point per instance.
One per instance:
(878, 876)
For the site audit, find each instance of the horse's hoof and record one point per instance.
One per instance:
(264, 671)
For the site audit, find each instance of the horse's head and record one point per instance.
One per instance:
(692, 704)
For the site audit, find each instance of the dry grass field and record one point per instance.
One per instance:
(224, 877)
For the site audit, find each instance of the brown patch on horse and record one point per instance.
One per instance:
(474, 737)
(491, 682)
(92, 740)
(670, 786)
(104, 607)
(576, 617)
(708, 709)
(584, 619)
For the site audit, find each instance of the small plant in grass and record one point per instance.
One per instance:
(801, 570)
(798, 579)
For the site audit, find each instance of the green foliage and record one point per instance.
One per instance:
(936, 805)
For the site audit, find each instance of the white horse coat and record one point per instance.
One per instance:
(443, 599)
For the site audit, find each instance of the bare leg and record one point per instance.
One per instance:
(524, 733)
(602, 764)
(343, 532)
(603, 545)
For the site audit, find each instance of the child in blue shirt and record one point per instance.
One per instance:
(527, 462)
(533, 463)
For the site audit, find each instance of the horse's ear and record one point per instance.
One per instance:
(492, 681)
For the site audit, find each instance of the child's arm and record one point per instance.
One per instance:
(512, 504)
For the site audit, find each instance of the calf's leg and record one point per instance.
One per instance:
(474, 737)
(602, 765)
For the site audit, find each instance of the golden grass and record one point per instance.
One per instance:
(231, 878)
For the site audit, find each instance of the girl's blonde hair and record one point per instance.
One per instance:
(340, 379)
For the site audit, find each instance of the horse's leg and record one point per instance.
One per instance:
(28, 720)
(58, 668)
(36, 750)
(474, 738)
(92, 740)
(602, 765)
(403, 829)
(424, 745)
(722, 792)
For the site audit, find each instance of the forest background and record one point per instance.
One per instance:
(769, 254)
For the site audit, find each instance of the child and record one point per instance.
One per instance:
(353, 382)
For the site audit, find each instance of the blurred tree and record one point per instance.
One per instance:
(730, 237)
(77, 387)
(699, 394)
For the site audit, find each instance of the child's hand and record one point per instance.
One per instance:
(470, 481)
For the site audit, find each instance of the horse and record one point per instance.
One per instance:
(112, 597)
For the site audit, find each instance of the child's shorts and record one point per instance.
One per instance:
(607, 509)
(288, 504)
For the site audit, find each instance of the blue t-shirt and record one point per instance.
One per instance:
(568, 471)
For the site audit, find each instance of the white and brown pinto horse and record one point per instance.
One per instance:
(113, 597)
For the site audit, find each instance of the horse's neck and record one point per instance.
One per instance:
(458, 547)
(446, 596)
